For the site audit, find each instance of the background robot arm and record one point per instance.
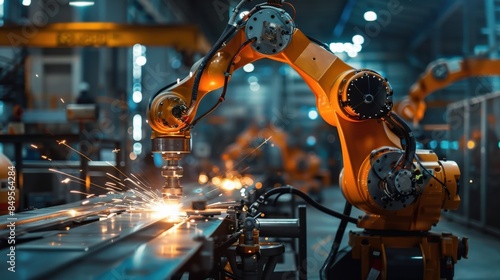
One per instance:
(380, 174)
(440, 74)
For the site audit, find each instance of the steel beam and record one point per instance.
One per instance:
(104, 34)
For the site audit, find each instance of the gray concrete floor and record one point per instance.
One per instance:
(484, 250)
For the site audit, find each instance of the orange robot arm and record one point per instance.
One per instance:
(440, 74)
(380, 175)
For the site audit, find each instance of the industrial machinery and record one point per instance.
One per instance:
(440, 74)
(402, 190)
(301, 169)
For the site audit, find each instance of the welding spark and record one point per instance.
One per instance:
(251, 152)
(143, 197)
(78, 180)
(79, 192)
(62, 100)
(65, 181)
(114, 177)
(34, 146)
(63, 142)
(116, 151)
(46, 158)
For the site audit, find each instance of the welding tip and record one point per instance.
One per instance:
(169, 194)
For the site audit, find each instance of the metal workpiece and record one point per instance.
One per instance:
(139, 245)
(43, 218)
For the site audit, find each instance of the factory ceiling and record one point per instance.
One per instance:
(403, 26)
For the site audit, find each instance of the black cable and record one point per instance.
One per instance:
(228, 31)
(330, 260)
(435, 178)
(403, 131)
(275, 200)
(306, 198)
(226, 80)
(411, 145)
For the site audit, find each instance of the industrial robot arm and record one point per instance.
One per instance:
(398, 187)
(440, 74)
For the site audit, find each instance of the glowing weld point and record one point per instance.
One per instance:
(72, 212)
(171, 211)
(34, 146)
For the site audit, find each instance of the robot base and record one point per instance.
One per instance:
(399, 255)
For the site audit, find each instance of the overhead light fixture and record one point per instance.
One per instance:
(370, 16)
(77, 3)
(358, 39)
(26, 2)
(313, 114)
(248, 67)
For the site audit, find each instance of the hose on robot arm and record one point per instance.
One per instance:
(253, 209)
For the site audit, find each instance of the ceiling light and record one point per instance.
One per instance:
(313, 114)
(348, 47)
(370, 16)
(352, 54)
(358, 39)
(26, 2)
(141, 60)
(252, 80)
(248, 67)
(137, 96)
(311, 140)
(76, 3)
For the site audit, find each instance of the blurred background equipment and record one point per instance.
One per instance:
(296, 166)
